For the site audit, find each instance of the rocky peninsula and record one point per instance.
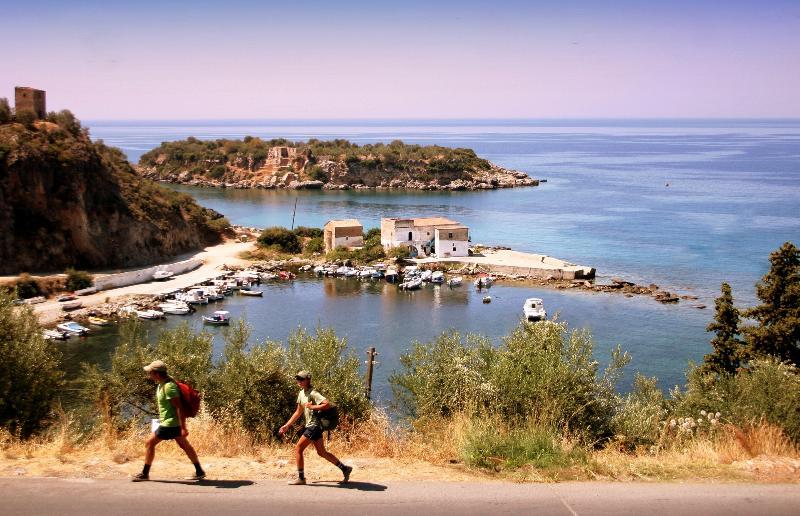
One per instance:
(329, 165)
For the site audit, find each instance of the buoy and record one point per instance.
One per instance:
(487, 299)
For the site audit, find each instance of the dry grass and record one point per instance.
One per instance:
(380, 451)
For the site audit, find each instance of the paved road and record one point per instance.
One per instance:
(43, 496)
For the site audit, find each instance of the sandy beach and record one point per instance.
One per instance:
(506, 261)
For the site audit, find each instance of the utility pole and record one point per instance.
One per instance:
(371, 354)
(294, 212)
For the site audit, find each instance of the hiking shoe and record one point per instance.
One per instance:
(297, 482)
(197, 476)
(347, 470)
(140, 477)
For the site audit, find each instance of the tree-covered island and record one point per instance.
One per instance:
(332, 165)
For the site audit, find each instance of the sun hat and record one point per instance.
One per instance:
(303, 375)
(156, 365)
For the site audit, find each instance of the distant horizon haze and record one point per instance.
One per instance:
(472, 59)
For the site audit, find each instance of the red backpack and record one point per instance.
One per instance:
(190, 399)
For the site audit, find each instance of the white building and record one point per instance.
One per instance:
(426, 236)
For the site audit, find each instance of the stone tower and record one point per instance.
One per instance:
(30, 99)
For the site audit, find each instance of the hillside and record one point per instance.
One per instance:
(68, 202)
(336, 164)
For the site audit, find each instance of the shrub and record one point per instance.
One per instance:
(217, 171)
(767, 390)
(303, 231)
(315, 245)
(280, 238)
(5, 111)
(26, 117)
(317, 173)
(255, 384)
(27, 287)
(77, 280)
(30, 374)
(641, 414)
(400, 252)
(339, 253)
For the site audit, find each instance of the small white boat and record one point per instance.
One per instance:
(487, 300)
(437, 277)
(175, 308)
(426, 275)
(412, 284)
(55, 335)
(71, 305)
(249, 292)
(366, 273)
(220, 317)
(351, 273)
(319, 270)
(149, 314)
(533, 309)
(484, 281)
(213, 293)
(162, 275)
(305, 268)
(194, 297)
(73, 328)
(391, 274)
(456, 281)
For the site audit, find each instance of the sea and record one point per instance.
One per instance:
(684, 204)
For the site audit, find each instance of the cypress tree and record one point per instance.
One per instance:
(778, 317)
(728, 347)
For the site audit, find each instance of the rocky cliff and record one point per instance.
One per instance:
(68, 202)
(333, 165)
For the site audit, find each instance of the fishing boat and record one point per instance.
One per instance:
(286, 275)
(412, 284)
(73, 328)
(176, 308)
(378, 274)
(98, 321)
(455, 282)
(220, 317)
(249, 292)
(194, 296)
(149, 314)
(484, 281)
(426, 275)
(162, 275)
(55, 335)
(366, 273)
(533, 309)
(391, 274)
(437, 277)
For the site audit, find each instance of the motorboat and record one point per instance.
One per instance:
(194, 296)
(319, 270)
(391, 274)
(378, 274)
(534, 309)
(162, 275)
(213, 293)
(249, 292)
(484, 281)
(219, 318)
(412, 284)
(98, 321)
(71, 305)
(286, 275)
(55, 335)
(426, 275)
(455, 281)
(149, 314)
(366, 273)
(437, 277)
(269, 276)
(351, 273)
(305, 268)
(177, 308)
(73, 328)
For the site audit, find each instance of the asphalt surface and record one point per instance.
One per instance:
(44, 496)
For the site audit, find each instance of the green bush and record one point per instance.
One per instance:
(30, 375)
(253, 384)
(400, 252)
(5, 111)
(26, 117)
(303, 231)
(641, 415)
(281, 239)
(315, 245)
(217, 171)
(339, 253)
(77, 280)
(542, 374)
(317, 173)
(767, 390)
(27, 287)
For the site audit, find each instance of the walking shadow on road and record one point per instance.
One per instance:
(219, 484)
(360, 486)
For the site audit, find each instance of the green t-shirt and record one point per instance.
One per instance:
(167, 413)
(314, 397)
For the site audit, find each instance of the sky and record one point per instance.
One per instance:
(314, 59)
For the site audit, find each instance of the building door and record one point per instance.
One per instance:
(409, 236)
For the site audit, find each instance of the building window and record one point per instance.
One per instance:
(450, 236)
(409, 236)
(454, 247)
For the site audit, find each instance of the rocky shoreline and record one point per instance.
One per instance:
(495, 178)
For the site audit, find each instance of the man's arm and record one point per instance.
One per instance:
(176, 402)
(297, 413)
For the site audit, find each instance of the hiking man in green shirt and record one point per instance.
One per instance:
(172, 422)
(308, 401)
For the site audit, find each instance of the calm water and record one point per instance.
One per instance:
(732, 197)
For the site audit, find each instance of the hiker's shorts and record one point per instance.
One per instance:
(167, 433)
(313, 433)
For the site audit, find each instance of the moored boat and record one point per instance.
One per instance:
(412, 284)
(220, 317)
(437, 277)
(484, 281)
(533, 309)
(455, 281)
(98, 321)
(73, 328)
(250, 292)
(176, 308)
(55, 335)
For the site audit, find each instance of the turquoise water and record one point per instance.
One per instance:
(684, 204)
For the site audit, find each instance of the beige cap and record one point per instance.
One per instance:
(156, 365)
(302, 375)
